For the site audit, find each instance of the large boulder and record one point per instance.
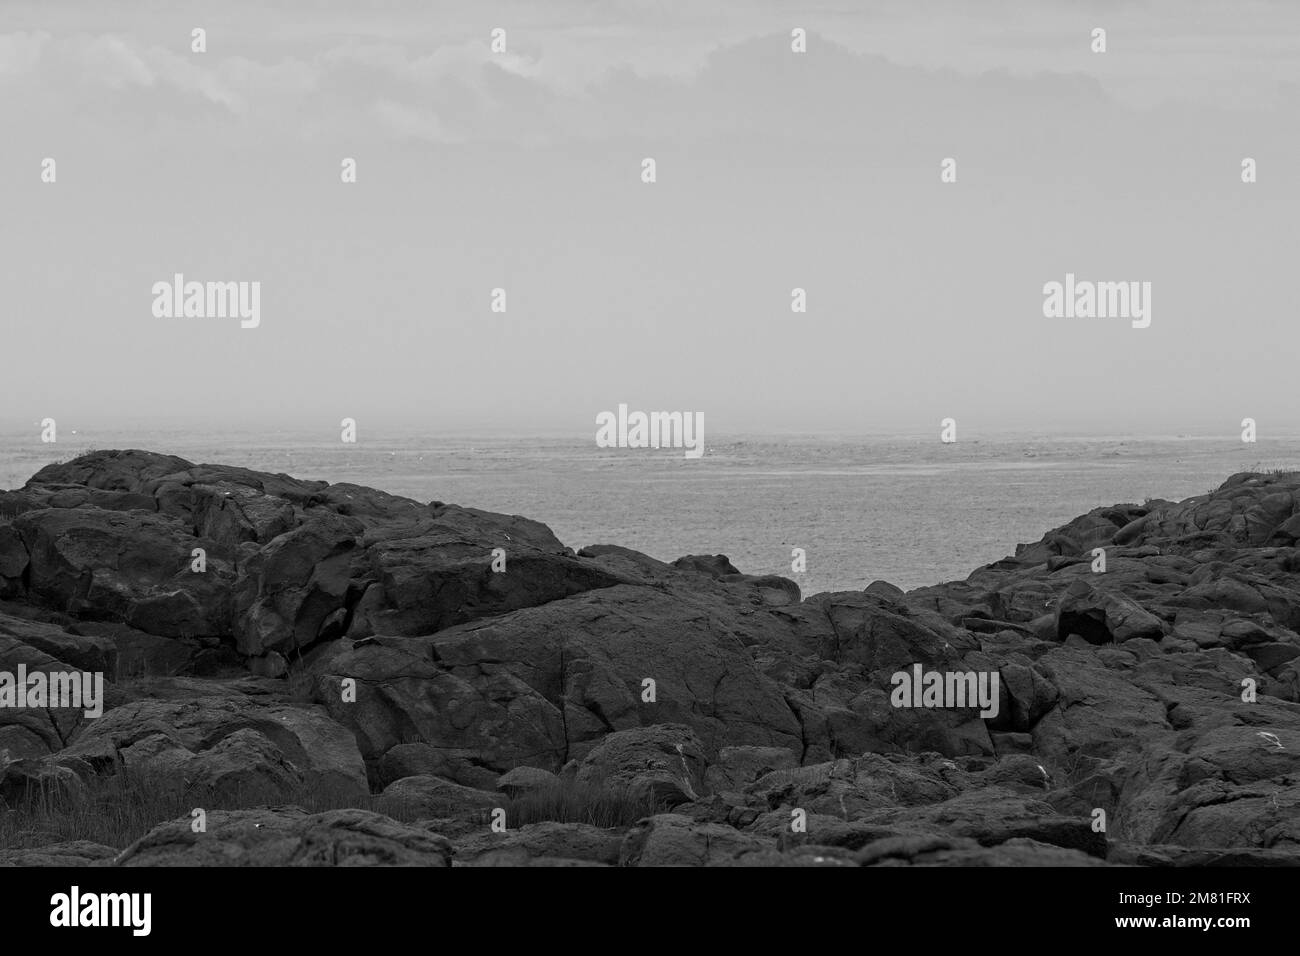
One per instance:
(669, 839)
(133, 567)
(544, 685)
(223, 749)
(429, 796)
(663, 764)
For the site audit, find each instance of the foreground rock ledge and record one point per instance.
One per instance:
(343, 641)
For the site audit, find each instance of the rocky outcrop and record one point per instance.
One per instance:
(222, 748)
(288, 836)
(268, 641)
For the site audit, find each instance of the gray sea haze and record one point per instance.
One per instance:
(909, 511)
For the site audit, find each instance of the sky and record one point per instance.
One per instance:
(775, 170)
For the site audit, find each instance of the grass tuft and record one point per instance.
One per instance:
(117, 810)
(570, 802)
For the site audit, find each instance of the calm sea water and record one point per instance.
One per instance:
(910, 512)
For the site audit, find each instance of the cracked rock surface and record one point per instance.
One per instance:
(262, 636)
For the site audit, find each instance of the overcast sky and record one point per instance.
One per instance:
(776, 170)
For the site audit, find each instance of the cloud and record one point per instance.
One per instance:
(413, 123)
(20, 52)
(104, 60)
(581, 70)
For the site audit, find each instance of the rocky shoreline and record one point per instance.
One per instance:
(459, 688)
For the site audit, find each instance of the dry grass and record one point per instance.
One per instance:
(569, 802)
(117, 810)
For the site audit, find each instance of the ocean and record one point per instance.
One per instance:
(863, 508)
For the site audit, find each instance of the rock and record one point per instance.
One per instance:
(131, 567)
(29, 780)
(437, 572)
(526, 780)
(433, 796)
(288, 836)
(1176, 856)
(669, 839)
(738, 767)
(85, 652)
(420, 759)
(224, 748)
(559, 677)
(76, 853)
(270, 664)
(1103, 617)
(124, 471)
(572, 842)
(289, 589)
(770, 589)
(1022, 773)
(663, 764)
(141, 654)
(820, 829)
(1016, 852)
(1030, 693)
(994, 815)
(342, 640)
(849, 789)
(800, 856)
(34, 731)
(712, 565)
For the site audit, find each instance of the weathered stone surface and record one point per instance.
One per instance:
(132, 567)
(738, 767)
(525, 780)
(33, 731)
(541, 686)
(663, 763)
(958, 851)
(1102, 617)
(554, 841)
(672, 840)
(345, 640)
(288, 836)
(995, 815)
(435, 797)
(69, 853)
(224, 748)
